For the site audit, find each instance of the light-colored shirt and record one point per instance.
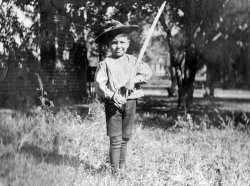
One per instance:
(112, 74)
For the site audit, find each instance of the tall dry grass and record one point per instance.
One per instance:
(64, 148)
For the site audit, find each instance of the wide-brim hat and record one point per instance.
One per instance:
(113, 29)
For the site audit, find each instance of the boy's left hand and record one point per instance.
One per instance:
(130, 85)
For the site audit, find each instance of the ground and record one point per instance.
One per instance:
(209, 146)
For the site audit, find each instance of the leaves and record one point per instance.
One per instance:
(15, 35)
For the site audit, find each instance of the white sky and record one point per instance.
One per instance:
(175, 30)
(1, 48)
(22, 18)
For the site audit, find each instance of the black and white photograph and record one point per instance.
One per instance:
(124, 93)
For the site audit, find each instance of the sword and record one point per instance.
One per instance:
(145, 44)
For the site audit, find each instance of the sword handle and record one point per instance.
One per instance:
(126, 94)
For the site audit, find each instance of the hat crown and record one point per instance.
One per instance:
(112, 25)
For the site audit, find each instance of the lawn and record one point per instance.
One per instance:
(209, 146)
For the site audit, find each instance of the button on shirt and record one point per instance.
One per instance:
(112, 74)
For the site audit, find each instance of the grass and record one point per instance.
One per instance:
(63, 148)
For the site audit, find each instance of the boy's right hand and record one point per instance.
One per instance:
(119, 99)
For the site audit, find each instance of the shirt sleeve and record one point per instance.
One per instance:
(144, 73)
(101, 81)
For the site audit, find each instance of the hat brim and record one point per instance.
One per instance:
(107, 36)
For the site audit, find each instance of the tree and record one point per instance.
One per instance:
(232, 44)
(193, 18)
(211, 30)
(19, 55)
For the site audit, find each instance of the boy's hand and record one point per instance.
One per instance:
(119, 99)
(130, 85)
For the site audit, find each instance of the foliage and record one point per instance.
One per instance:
(231, 29)
(19, 37)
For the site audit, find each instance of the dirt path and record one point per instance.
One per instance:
(201, 106)
(222, 103)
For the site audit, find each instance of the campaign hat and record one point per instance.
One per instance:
(114, 28)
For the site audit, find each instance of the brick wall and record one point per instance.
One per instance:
(63, 59)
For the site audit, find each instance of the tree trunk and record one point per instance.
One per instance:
(185, 98)
(80, 62)
(47, 44)
(248, 67)
(185, 77)
(173, 61)
(210, 81)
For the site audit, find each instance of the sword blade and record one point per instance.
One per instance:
(145, 44)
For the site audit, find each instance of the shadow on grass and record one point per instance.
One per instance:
(57, 159)
(162, 112)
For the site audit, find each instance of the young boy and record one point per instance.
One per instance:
(118, 80)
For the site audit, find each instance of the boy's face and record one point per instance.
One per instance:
(119, 45)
